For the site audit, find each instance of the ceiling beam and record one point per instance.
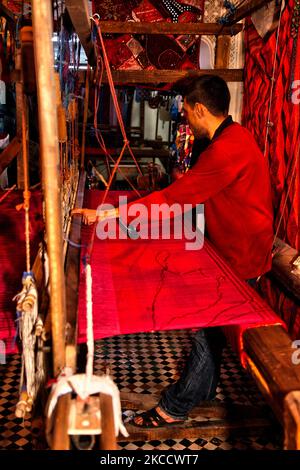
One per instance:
(80, 17)
(247, 9)
(168, 28)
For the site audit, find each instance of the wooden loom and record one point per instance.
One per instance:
(268, 349)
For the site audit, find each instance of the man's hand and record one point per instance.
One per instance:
(90, 216)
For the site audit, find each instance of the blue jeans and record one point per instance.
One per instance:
(200, 376)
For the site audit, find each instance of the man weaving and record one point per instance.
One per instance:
(231, 178)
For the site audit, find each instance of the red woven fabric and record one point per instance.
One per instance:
(152, 285)
(283, 137)
(283, 140)
(12, 256)
(231, 178)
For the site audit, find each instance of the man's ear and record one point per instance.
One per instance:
(199, 110)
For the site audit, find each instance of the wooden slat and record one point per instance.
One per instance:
(225, 420)
(292, 421)
(168, 76)
(269, 357)
(154, 77)
(247, 9)
(79, 14)
(207, 410)
(282, 267)
(138, 152)
(72, 266)
(132, 27)
(194, 429)
(9, 153)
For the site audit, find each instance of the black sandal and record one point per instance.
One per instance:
(152, 419)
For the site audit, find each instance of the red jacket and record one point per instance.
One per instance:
(231, 178)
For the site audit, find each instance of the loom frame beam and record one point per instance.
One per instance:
(43, 51)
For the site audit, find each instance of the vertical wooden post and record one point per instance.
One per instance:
(44, 65)
(222, 52)
(85, 115)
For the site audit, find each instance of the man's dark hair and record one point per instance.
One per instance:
(210, 90)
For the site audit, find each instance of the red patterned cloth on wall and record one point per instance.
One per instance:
(282, 149)
(151, 51)
(284, 130)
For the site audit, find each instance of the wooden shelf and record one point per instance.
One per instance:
(169, 76)
(131, 27)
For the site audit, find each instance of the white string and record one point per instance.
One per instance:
(273, 79)
(90, 333)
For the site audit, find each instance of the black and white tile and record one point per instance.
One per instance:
(142, 363)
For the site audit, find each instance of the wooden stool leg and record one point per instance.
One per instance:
(61, 439)
(107, 438)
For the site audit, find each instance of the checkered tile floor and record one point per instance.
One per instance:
(142, 363)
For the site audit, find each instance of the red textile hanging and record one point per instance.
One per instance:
(153, 285)
(12, 256)
(284, 130)
(284, 134)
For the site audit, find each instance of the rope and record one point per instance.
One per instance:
(90, 332)
(26, 193)
(87, 384)
(113, 92)
(269, 124)
(32, 373)
(100, 138)
(99, 135)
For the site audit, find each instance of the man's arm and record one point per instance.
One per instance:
(213, 172)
